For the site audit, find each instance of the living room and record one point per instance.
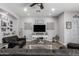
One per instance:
(39, 25)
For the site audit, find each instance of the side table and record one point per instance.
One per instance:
(3, 45)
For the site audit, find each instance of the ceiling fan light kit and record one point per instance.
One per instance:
(38, 4)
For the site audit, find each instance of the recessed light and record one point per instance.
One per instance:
(25, 9)
(53, 9)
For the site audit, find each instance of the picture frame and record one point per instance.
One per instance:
(50, 26)
(8, 28)
(3, 29)
(11, 25)
(3, 17)
(27, 26)
(11, 29)
(3, 23)
(68, 25)
(11, 22)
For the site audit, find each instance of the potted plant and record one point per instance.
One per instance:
(56, 38)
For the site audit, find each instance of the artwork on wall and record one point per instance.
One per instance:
(10, 29)
(27, 26)
(3, 17)
(3, 29)
(11, 22)
(13, 32)
(51, 26)
(11, 25)
(3, 23)
(68, 25)
(6, 34)
(6, 25)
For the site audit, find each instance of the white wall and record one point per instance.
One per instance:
(71, 35)
(28, 33)
(68, 35)
(61, 27)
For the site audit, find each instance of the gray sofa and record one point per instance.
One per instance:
(73, 46)
(13, 41)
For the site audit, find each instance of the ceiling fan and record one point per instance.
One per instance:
(38, 4)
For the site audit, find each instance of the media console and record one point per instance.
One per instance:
(39, 32)
(40, 36)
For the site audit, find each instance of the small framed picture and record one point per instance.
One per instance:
(11, 25)
(11, 22)
(68, 25)
(11, 29)
(3, 23)
(3, 29)
(8, 28)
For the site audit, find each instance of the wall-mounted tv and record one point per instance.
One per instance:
(39, 28)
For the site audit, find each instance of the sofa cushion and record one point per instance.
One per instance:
(19, 42)
(10, 39)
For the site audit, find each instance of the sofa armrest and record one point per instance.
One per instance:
(19, 39)
(73, 45)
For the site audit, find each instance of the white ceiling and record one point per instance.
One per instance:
(17, 9)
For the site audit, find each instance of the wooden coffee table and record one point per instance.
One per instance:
(47, 45)
(37, 46)
(3, 45)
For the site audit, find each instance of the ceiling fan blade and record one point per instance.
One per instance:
(38, 4)
(33, 4)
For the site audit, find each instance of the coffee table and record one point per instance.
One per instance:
(3, 45)
(37, 46)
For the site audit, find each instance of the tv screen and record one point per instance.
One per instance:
(39, 28)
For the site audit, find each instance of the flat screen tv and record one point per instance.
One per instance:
(39, 28)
